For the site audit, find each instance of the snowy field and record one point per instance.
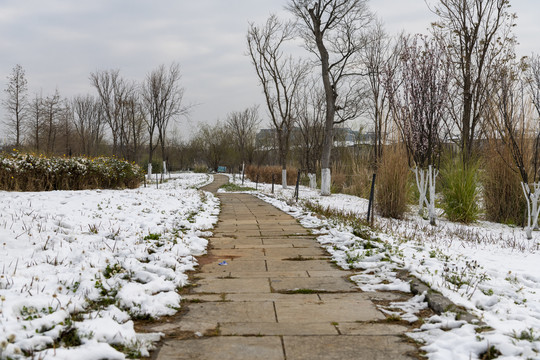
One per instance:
(490, 269)
(77, 266)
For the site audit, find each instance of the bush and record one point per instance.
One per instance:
(27, 172)
(265, 174)
(202, 169)
(504, 201)
(459, 190)
(391, 184)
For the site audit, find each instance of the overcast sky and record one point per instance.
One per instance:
(59, 42)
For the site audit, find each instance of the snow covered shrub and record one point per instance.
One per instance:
(27, 172)
(459, 190)
(391, 187)
(503, 196)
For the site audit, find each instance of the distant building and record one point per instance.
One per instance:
(343, 137)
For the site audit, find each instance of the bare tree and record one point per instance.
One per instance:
(36, 121)
(533, 81)
(510, 122)
(333, 31)
(280, 77)
(378, 55)
(162, 98)
(89, 123)
(16, 103)
(134, 119)
(310, 123)
(418, 93)
(475, 34)
(109, 86)
(51, 110)
(243, 126)
(130, 120)
(213, 143)
(65, 124)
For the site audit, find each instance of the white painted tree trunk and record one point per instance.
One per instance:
(426, 181)
(326, 181)
(149, 174)
(421, 184)
(533, 210)
(312, 181)
(432, 175)
(284, 178)
(164, 167)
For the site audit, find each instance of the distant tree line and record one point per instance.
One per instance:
(122, 118)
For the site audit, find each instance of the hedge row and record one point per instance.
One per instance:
(28, 172)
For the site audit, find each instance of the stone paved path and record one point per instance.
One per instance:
(278, 297)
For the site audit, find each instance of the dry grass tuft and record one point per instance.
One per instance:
(504, 201)
(391, 186)
(265, 174)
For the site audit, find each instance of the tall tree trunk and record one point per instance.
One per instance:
(330, 96)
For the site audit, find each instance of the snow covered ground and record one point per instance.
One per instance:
(490, 269)
(77, 266)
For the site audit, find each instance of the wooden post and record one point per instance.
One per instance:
(297, 189)
(371, 193)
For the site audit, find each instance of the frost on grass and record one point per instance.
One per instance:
(77, 267)
(489, 269)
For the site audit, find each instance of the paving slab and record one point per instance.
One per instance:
(355, 296)
(275, 234)
(275, 265)
(234, 265)
(232, 286)
(370, 329)
(264, 246)
(223, 348)
(318, 284)
(300, 243)
(270, 274)
(327, 311)
(346, 347)
(258, 329)
(251, 234)
(272, 297)
(328, 273)
(245, 222)
(221, 246)
(287, 253)
(235, 253)
(204, 297)
(233, 243)
(206, 316)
